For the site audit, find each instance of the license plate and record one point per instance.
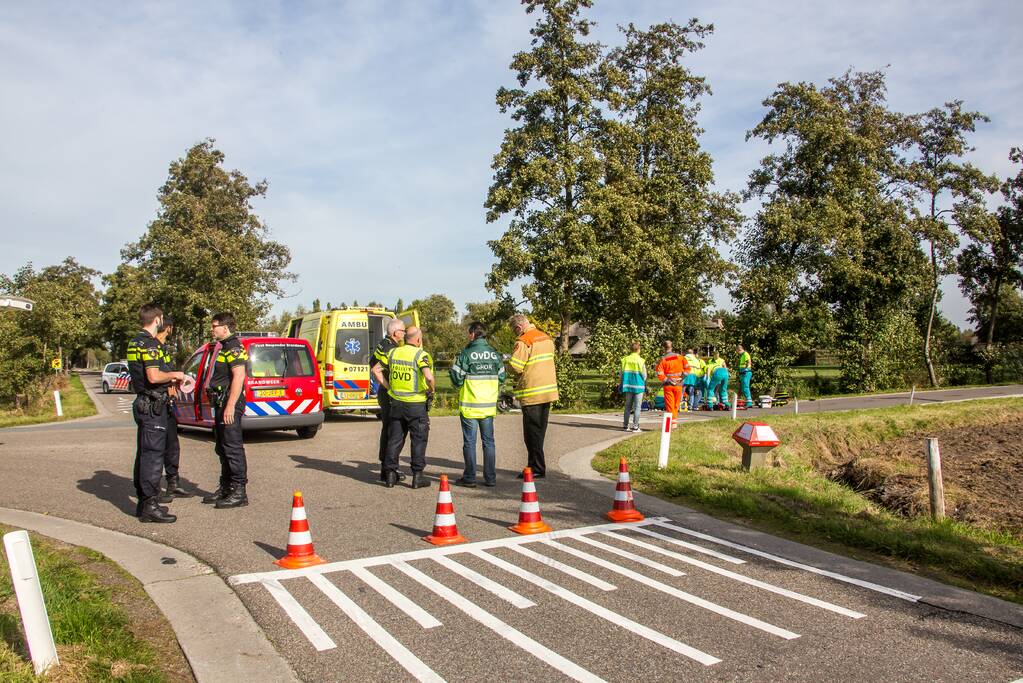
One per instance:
(353, 395)
(270, 393)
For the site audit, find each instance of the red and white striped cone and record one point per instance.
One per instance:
(445, 530)
(300, 541)
(530, 521)
(624, 508)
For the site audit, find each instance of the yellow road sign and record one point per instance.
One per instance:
(55, 364)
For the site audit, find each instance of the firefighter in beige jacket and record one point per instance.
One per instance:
(536, 387)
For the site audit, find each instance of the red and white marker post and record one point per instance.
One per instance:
(662, 456)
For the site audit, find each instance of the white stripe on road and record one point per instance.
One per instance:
(781, 560)
(316, 635)
(740, 578)
(385, 640)
(421, 616)
(564, 568)
(485, 583)
(670, 571)
(602, 612)
(691, 546)
(549, 657)
(674, 592)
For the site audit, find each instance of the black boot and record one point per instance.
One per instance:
(165, 496)
(141, 502)
(419, 481)
(174, 488)
(398, 473)
(221, 491)
(151, 512)
(390, 479)
(235, 498)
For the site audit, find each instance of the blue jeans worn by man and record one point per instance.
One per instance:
(485, 427)
(633, 406)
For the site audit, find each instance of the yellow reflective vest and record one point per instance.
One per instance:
(405, 365)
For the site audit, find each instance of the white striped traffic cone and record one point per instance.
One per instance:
(530, 521)
(624, 508)
(445, 530)
(300, 541)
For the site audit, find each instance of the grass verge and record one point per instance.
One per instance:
(104, 625)
(796, 499)
(75, 403)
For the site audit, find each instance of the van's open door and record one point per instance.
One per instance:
(409, 317)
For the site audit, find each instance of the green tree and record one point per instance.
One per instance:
(941, 141)
(548, 167)
(207, 250)
(438, 319)
(494, 315)
(125, 290)
(832, 246)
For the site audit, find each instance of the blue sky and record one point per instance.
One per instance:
(376, 120)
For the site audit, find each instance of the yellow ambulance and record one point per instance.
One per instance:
(343, 340)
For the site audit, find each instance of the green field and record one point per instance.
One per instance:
(74, 401)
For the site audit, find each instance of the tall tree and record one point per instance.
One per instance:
(832, 240)
(207, 250)
(439, 321)
(126, 289)
(548, 167)
(657, 254)
(941, 141)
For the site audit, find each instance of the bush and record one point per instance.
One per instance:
(570, 391)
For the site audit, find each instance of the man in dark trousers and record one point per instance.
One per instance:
(150, 384)
(395, 337)
(172, 450)
(227, 395)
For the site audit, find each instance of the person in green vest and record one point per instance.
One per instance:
(745, 374)
(719, 382)
(693, 379)
(478, 373)
(633, 386)
(409, 379)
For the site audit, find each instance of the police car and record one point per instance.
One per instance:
(282, 387)
(116, 378)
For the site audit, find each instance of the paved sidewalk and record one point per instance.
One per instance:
(217, 634)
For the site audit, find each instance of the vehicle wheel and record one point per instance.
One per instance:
(307, 432)
(106, 388)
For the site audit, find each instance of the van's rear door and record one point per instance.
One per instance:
(351, 353)
(409, 317)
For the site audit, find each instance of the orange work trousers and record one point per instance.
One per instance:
(672, 399)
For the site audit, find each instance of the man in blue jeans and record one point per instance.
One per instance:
(632, 387)
(478, 373)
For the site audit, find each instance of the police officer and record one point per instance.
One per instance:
(150, 382)
(172, 451)
(395, 336)
(410, 378)
(227, 395)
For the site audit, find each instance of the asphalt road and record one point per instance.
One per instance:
(684, 615)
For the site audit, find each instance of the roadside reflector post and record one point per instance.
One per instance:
(30, 601)
(795, 404)
(757, 440)
(56, 402)
(934, 482)
(912, 394)
(662, 456)
(735, 406)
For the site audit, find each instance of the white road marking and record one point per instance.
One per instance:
(646, 561)
(564, 568)
(316, 635)
(602, 612)
(389, 643)
(742, 579)
(485, 583)
(790, 563)
(681, 595)
(692, 546)
(421, 616)
(549, 657)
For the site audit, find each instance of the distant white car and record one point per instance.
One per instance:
(116, 378)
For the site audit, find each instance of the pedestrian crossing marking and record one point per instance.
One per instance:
(446, 557)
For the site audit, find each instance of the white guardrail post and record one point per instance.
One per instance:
(30, 600)
(56, 402)
(662, 456)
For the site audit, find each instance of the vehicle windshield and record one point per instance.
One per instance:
(279, 360)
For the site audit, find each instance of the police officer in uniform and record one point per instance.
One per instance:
(150, 383)
(395, 336)
(410, 378)
(172, 451)
(227, 395)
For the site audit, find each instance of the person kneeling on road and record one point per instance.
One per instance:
(409, 380)
(478, 373)
(227, 395)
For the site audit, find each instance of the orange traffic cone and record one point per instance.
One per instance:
(445, 531)
(530, 521)
(624, 508)
(300, 541)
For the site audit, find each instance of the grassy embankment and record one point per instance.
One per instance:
(796, 499)
(74, 401)
(103, 623)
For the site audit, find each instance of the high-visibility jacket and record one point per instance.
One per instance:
(745, 361)
(671, 368)
(533, 361)
(405, 365)
(695, 364)
(633, 374)
(478, 373)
